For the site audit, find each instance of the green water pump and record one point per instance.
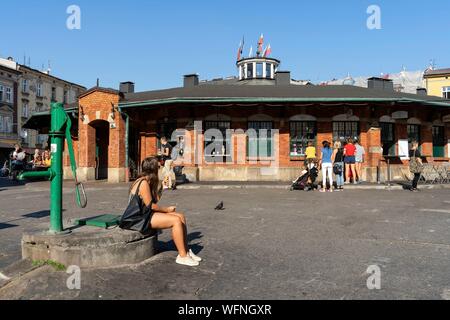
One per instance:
(60, 130)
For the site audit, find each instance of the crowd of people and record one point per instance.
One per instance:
(340, 163)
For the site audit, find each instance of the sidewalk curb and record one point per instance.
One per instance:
(287, 187)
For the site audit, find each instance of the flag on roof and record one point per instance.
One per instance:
(251, 52)
(241, 48)
(268, 51)
(260, 45)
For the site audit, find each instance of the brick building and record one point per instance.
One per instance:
(117, 129)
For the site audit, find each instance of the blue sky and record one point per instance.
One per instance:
(154, 43)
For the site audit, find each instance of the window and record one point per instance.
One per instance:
(343, 130)
(1, 124)
(413, 133)
(260, 146)
(438, 141)
(25, 110)
(9, 96)
(66, 97)
(39, 90)
(388, 139)
(25, 86)
(2, 92)
(220, 152)
(302, 132)
(259, 70)
(268, 71)
(42, 139)
(53, 94)
(446, 92)
(39, 107)
(6, 124)
(249, 70)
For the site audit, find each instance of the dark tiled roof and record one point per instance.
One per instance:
(437, 72)
(337, 92)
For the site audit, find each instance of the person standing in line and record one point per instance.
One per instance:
(169, 174)
(359, 159)
(415, 165)
(350, 161)
(326, 162)
(338, 166)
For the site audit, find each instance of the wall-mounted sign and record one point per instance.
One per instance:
(398, 115)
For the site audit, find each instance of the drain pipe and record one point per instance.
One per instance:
(127, 129)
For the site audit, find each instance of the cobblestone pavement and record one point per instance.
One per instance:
(269, 243)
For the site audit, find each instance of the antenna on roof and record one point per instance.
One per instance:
(98, 82)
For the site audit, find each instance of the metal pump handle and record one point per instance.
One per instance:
(81, 197)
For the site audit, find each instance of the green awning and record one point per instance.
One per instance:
(41, 121)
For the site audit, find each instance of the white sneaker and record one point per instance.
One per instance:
(194, 257)
(187, 261)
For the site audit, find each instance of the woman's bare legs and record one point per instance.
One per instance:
(347, 173)
(354, 173)
(171, 221)
(182, 217)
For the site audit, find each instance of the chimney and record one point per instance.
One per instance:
(380, 84)
(190, 80)
(422, 91)
(283, 78)
(126, 87)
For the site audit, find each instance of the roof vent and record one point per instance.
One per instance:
(380, 84)
(283, 78)
(422, 91)
(126, 87)
(190, 80)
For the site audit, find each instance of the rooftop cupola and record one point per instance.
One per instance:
(259, 65)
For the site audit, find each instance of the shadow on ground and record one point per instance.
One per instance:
(170, 245)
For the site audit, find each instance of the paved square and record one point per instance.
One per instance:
(269, 243)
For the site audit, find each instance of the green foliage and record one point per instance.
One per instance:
(56, 265)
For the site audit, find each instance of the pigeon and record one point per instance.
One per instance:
(220, 206)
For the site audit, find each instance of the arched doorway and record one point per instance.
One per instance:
(101, 148)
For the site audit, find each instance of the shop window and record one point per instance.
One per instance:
(388, 139)
(438, 141)
(343, 130)
(414, 134)
(301, 133)
(260, 145)
(219, 147)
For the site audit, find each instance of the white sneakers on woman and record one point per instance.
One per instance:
(187, 261)
(194, 257)
(190, 260)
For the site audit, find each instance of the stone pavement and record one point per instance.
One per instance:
(269, 243)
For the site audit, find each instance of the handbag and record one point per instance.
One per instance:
(137, 215)
(337, 168)
(414, 165)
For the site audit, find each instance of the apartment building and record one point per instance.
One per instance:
(9, 77)
(36, 90)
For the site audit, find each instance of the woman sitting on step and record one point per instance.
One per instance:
(147, 187)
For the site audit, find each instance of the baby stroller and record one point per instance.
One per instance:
(307, 180)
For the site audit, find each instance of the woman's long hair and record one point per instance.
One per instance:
(150, 169)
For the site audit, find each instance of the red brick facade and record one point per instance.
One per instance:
(96, 106)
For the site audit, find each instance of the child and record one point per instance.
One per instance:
(310, 155)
